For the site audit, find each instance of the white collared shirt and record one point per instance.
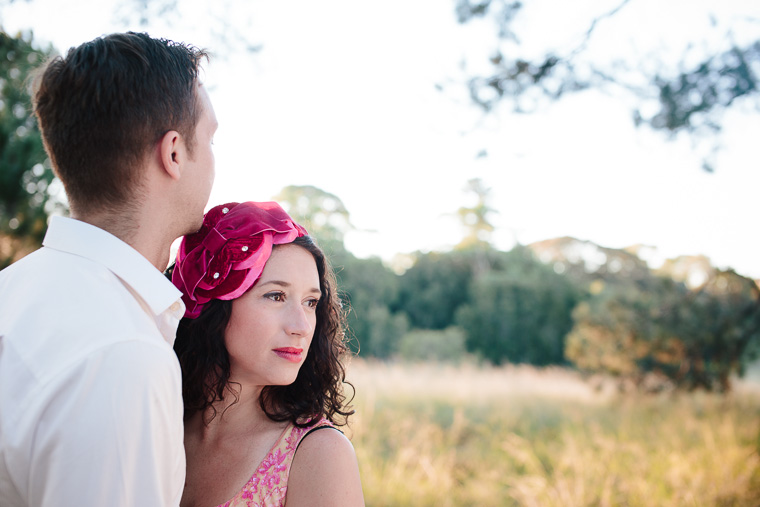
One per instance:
(90, 388)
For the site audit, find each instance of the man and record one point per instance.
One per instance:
(90, 388)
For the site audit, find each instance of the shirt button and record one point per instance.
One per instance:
(175, 306)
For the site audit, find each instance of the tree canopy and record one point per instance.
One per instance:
(689, 96)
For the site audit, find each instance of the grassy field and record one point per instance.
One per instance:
(435, 435)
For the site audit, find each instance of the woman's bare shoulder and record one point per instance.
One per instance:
(325, 472)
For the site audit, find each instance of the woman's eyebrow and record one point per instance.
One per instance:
(281, 283)
(276, 282)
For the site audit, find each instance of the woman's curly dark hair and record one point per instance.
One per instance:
(318, 389)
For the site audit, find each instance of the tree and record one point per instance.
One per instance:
(690, 97)
(370, 291)
(520, 313)
(689, 338)
(29, 191)
(587, 264)
(475, 219)
(323, 214)
(437, 284)
(379, 332)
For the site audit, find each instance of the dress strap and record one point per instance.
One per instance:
(324, 423)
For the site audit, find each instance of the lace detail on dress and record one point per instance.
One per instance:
(269, 484)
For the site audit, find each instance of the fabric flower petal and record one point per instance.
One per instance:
(228, 253)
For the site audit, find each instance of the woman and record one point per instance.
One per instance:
(259, 347)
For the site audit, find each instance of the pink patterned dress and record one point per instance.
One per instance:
(269, 484)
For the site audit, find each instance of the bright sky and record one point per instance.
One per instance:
(342, 96)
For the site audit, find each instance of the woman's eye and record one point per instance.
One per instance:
(275, 296)
(312, 303)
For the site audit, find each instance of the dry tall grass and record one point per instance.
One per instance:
(453, 436)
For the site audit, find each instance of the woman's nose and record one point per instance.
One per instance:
(298, 322)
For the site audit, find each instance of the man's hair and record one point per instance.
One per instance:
(318, 389)
(103, 106)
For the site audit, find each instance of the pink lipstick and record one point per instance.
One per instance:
(292, 354)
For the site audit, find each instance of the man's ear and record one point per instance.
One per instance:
(170, 152)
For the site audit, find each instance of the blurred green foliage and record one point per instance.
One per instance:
(663, 334)
(519, 313)
(370, 290)
(27, 190)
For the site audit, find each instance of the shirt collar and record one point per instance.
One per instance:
(86, 240)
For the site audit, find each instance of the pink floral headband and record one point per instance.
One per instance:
(227, 255)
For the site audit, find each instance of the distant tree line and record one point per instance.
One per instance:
(567, 302)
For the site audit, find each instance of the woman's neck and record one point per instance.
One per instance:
(237, 413)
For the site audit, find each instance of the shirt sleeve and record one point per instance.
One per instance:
(112, 432)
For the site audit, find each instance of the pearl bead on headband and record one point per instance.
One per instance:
(227, 255)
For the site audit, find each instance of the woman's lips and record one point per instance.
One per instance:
(292, 354)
